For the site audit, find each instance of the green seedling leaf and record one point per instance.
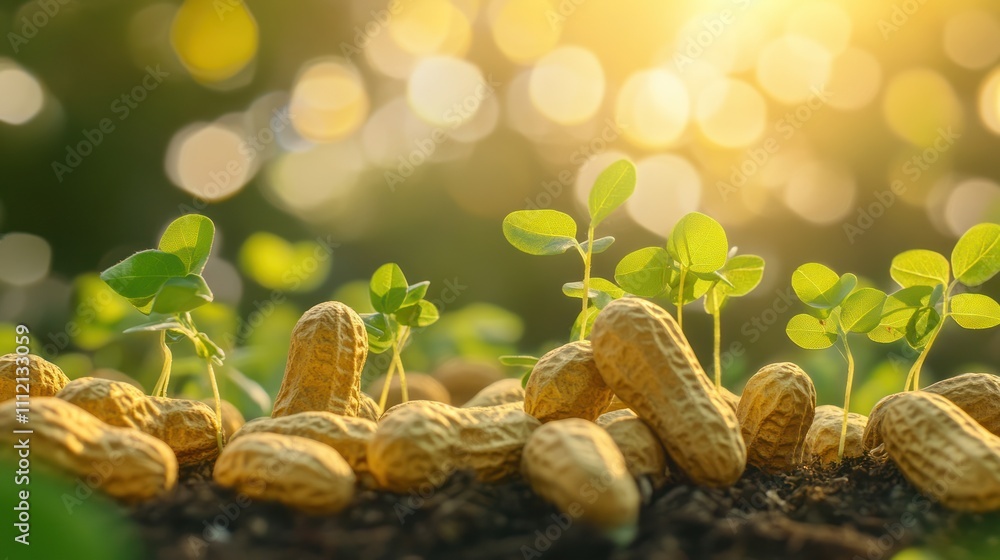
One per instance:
(715, 299)
(421, 314)
(415, 293)
(190, 238)
(180, 295)
(899, 308)
(846, 284)
(380, 332)
(155, 326)
(141, 276)
(388, 288)
(861, 311)
(744, 273)
(611, 189)
(519, 361)
(699, 243)
(602, 291)
(524, 378)
(584, 321)
(646, 272)
(975, 311)
(810, 332)
(919, 268)
(694, 287)
(212, 348)
(816, 285)
(540, 232)
(936, 294)
(600, 245)
(976, 257)
(921, 326)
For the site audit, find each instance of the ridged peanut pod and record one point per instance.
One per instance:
(565, 383)
(977, 394)
(232, 418)
(823, 438)
(45, 379)
(350, 436)
(731, 398)
(125, 463)
(872, 436)
(943, 452)
(328, 351)
(775, 414)
(188, 427)
(505, 391)
(575, 465)
(368, 408)
(644, 454)
(298, 472)
(424, 442)
(645, 359)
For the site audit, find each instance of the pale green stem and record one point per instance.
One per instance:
(160, 390)
(913, 378)
(587, 259)
(717, 320)
(680, 300)
(218, 403)
(396, 350)
(847, 395)
(385, 386)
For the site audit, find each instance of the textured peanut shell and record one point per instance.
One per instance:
(350, 436)
(368, 408)
(731, 398)
(422, 442)
(419, 387)
(129, 465)
(775, 414)
(575, 465)
(978, 394)
(823, 438)
(943, 452)
(45, 378)
(644, 454)
(643, 356)
(327, 353)
(232, 418)
(463, 379)
(298, 472)
(505, 391)
(188, 427)
(565, 383)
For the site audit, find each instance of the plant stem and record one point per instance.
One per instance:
(385, 386)
(218, 402)
(680, 300)
(587, 259)
(717, 320)
(396, 349)
(913, 378)
(847, 395)
(160, 390)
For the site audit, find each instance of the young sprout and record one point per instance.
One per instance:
(743, 273)
(926, 299)
(166, 283)
(550, 232)
(685, 270)
(399, 308)
(837, 309)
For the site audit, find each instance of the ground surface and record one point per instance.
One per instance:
(861, 509)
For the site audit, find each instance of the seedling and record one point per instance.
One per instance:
(166, 284)
(837, 309)
(696, 262)
(550, 232)
(926, 299)
(399, 308)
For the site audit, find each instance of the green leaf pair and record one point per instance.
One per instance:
(838, 307)
(550, 232)
(168, 279)
(397, 304)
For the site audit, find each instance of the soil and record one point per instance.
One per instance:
(860, 509)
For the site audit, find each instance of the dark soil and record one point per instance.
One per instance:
(861, 509)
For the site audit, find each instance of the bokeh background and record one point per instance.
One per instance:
(325, 138)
